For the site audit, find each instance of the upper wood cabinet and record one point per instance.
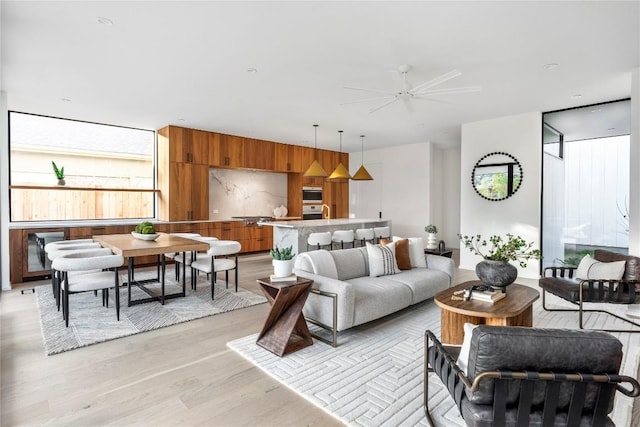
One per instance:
(292, 158)
(259, 154)
(187, 145)
(226, 151)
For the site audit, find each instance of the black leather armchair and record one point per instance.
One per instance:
(560, 282)
(519, 376)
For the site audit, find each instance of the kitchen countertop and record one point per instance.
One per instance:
(319, 222)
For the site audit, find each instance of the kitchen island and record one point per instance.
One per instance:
(295, 233)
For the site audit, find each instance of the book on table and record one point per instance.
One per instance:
(487, 296)
(290, 278)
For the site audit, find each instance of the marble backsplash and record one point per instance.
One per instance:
(245, 193)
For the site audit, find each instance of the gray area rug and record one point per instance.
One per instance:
(374, 377)
(91, 323)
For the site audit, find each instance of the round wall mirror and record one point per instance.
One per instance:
(496, 176)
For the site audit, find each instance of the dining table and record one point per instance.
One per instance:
(131, 247)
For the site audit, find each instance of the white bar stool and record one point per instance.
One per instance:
(318, 240)
(365, 235)
(342, 237)
(382, 233)
(209, 264)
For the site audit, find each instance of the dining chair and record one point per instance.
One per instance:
(179, 257)
(87, 271)
(216, 259)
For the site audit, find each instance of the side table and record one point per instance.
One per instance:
(285, 329)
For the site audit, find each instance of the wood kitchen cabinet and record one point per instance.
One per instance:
(292, 158)
(259, 154)
(187, 145)
(226, 151)
(188, 201)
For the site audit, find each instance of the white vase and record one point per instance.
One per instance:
(282, 268)
(432, 241)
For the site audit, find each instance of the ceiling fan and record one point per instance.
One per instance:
(407, 91)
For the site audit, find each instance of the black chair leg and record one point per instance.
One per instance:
(117, 291)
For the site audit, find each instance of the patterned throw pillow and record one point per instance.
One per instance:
(382, 260)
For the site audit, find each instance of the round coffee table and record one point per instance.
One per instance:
(516, 309)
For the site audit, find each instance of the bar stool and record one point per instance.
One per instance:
(210, 264)
(319, 240)
(365, 235)
(342, 237)
(89, 267)
(382, 233)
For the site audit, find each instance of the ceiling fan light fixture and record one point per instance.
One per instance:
(316, 170)
(362, 174)
(340, 172)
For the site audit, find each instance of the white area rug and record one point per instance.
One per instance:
(91, 323)
(374, 377)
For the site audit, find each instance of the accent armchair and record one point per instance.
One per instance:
(518, 376)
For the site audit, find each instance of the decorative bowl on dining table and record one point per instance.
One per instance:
(152, 236)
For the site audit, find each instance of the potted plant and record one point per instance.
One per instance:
(59, 173)
(282, 261)
(432, 239)
(495, 270)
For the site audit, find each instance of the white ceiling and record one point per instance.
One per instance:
(163, 61)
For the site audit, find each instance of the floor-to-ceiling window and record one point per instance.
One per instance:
(585, 181)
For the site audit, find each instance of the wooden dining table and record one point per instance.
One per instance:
(130, 247)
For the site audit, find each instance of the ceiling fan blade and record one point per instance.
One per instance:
(467, 89)
(435, 82)
(373, 110)
(384, 92)
(378, 98)
(408, 106)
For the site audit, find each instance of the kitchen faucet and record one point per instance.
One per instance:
(328, 210)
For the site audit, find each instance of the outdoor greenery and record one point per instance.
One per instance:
(514, 248)
(283, 254)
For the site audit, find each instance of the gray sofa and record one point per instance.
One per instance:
(344, 295)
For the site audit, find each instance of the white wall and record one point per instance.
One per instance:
(4, 192)
(401, 187)
(450, 179)
(634, 158)
(521, 136)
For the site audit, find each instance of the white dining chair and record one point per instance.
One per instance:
(216, 259)
(179, 257)
(382, 233)
(85, 271)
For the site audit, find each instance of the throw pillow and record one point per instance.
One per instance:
(416, 251)
(463, 357)
(590, 268)
(382, 260)
(607, 270)
(403, 257)
(583, 267)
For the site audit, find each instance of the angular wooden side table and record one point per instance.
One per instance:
(285, 329)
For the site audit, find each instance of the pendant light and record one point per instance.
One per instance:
(316, 170)
(340, 172)
(362, 174)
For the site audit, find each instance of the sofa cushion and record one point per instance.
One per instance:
(424, 283)
(376, 297)
(513, 348)
(317, 262)
(382, 260)
(416, 251)
(402, 252)
(351, 263)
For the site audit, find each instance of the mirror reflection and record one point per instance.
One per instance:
(496, 176)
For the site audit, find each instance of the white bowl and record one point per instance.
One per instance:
(153, 236)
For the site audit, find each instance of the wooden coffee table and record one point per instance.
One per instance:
(285, 329)
(516, 309)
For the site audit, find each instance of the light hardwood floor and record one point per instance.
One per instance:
(183, 375)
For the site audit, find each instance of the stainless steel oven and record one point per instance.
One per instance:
(312, 195)
(311, 211)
